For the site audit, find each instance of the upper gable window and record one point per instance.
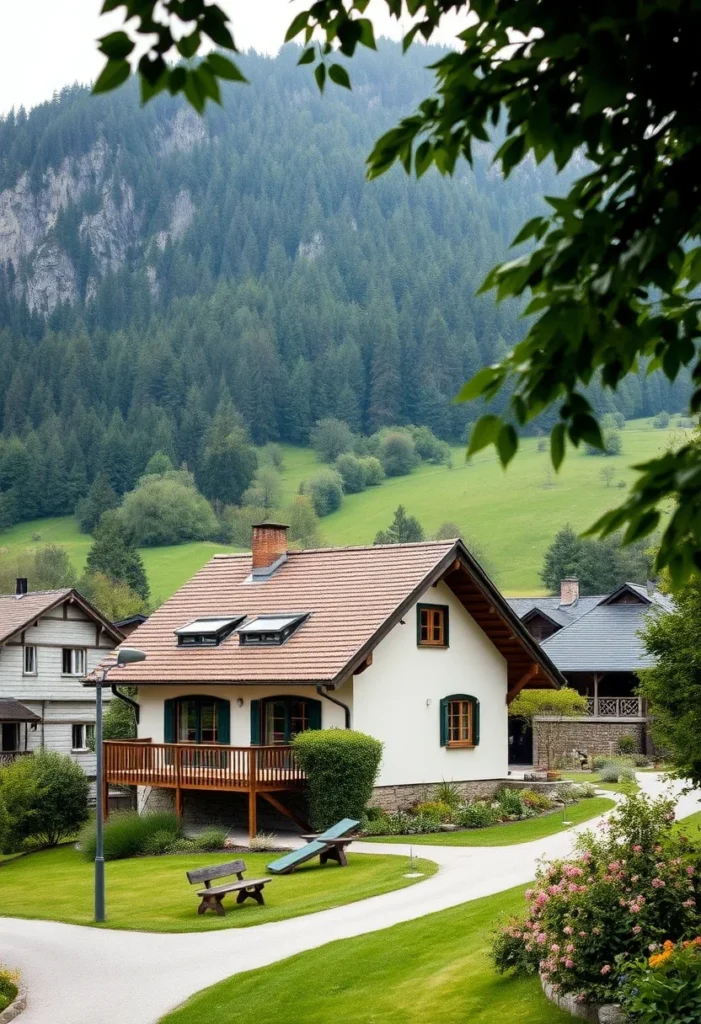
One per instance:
(432, 625)
(270, 630)
(29, 664)
(208, 631)
(73, 661)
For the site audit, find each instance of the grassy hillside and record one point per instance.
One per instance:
(511, 515)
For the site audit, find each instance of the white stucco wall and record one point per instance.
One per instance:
(151, 700)
(390, 700)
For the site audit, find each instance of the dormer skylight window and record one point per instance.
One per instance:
(208, 631)
(270, 630)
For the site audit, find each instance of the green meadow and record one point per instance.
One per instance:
(510, 515)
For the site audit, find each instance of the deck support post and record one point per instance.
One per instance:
(179, 803)
(252, 780)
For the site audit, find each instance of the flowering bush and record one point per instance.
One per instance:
(664, 987)
(626, 889)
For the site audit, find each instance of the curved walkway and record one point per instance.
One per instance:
(77, 975)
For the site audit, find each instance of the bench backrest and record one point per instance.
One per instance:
(232, 867)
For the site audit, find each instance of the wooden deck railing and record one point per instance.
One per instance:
(200, 766)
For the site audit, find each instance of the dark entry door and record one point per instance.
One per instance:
(520, 742)
(10, 736)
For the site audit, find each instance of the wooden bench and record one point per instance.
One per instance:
(212, 897)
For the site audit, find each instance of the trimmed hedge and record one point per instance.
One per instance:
(341, 766)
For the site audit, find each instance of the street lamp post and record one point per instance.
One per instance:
(125, 656)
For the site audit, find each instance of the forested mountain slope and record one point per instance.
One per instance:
(155, 264)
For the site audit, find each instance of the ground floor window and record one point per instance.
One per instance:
(196, 720)
(83, 736)
(277, 720)
(459, 721)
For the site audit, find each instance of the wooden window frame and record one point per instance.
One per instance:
(443, 609)
(73, 652)
(474, 721)
(25, 670)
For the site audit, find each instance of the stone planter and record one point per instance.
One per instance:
(16, 1006)
(596, 1013)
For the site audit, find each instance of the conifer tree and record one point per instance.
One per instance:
(114, 554)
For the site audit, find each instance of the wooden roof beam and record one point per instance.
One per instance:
(532, 672)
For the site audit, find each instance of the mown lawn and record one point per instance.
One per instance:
(512, 833)
(691, 826)
(152, 893)
(595, 780)
(435, 969)
(512, 516)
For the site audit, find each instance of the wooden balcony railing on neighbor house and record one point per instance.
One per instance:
(8, 756)
(615, 707)
(180, 766)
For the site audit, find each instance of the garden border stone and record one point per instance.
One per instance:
(18, 1004)
(595, 1013)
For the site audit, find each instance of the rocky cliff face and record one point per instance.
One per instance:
(44, 272)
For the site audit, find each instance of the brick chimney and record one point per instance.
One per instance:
(269, 547)
(21, 586)
(569, 590)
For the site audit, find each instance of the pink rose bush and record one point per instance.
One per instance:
(632, 886)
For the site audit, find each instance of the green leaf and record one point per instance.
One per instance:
(189, 45)
(307, 56)
(641, 526)
(151, 89)
(296, 26)
(339, 75)
(485, 431)
(194, 91)
(557, 444)
(367, 33)
(320, 75)
(222, 67)
(477, 385)
(535, 226)
(507, 444)
(114, 73)
(116, 45)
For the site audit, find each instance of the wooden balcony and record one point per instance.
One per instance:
(8, 756)
(258, 771)
(616, 707)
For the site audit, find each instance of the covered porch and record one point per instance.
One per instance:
(259, 771)
(15, 722)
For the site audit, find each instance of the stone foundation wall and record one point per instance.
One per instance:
(594, 737)
(150, 798)
(401, 798)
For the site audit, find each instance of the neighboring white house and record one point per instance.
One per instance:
(48, 641)
(410, 643)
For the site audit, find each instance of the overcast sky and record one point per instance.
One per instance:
(51, 43)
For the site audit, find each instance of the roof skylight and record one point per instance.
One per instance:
(270, 630)
(208, 631)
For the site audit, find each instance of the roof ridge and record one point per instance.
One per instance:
(40, 593)
(350, 547)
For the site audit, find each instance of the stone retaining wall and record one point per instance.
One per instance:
(595, 737)
(401, 798)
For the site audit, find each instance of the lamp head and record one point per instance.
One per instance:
(128, 655)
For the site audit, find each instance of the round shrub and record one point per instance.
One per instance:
(159, 842)
(374, 473)
(510, 802)
(326, 491)
(352, 472)
(610, 772)
(210, 840)
(397, 453)
(475, 816)
(341, 766)
(436, 809)
(44, 799)
(128, 833)
(627, 744)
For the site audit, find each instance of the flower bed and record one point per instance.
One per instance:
(449, 812)
(628, 890)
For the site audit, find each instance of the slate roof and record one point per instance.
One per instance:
(12, 711)
(18, 613)
(353, 597)
(562, 614)
(604, 640)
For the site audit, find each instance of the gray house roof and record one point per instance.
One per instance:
(599, 633)
(606, 639)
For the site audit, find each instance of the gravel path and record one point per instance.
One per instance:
(77, 975)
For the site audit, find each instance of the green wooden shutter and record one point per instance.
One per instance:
(444, 722)
(223, 722)
(476, 720)
(169, 721)
(314, 713)
(255, 723)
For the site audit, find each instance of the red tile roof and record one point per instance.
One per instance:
(351, 595)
